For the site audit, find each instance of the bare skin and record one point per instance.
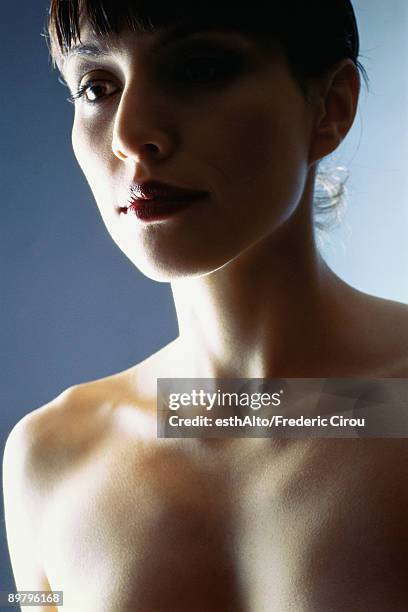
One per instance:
(120, 521)
(123, 521)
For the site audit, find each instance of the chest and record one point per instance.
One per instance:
(259, 533)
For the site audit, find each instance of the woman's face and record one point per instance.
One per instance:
(224, 116)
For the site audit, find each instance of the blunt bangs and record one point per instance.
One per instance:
(110, 17)
(314, 34)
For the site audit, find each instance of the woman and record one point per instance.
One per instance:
(200, 131)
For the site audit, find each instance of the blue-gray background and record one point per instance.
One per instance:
(72, 307)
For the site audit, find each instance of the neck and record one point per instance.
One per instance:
(272, 311)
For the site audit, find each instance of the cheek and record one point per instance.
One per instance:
(243, 144)
(259, 150)
(94, 156)
(91, 155)
(81, 140)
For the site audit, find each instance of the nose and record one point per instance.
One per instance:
(139, 132)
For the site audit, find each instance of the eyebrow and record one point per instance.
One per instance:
(84, 50)
(89, 49)
(165, 37)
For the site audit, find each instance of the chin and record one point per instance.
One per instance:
(166, 271)
(167, 274)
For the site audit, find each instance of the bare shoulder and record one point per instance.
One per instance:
(25, 433)
(395, 329)
(52, 441)
(384, 324)
(53, 437)
(42, 451)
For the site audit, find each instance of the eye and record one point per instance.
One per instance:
(205, 69)
(199, 70)
(94, 91)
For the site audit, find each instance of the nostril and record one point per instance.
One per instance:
(142, 147)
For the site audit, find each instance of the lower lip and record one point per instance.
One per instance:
(156, 210)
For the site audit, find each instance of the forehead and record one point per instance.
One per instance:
(102, 20)
(92, 45)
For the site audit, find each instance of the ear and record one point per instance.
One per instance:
(335, 104)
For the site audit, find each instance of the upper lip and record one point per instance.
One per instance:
(156, 190)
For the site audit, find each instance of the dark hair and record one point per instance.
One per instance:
(313, 34)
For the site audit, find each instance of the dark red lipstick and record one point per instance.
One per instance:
(154, 200)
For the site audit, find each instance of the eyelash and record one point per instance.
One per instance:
(82, 89)
(226, 67)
